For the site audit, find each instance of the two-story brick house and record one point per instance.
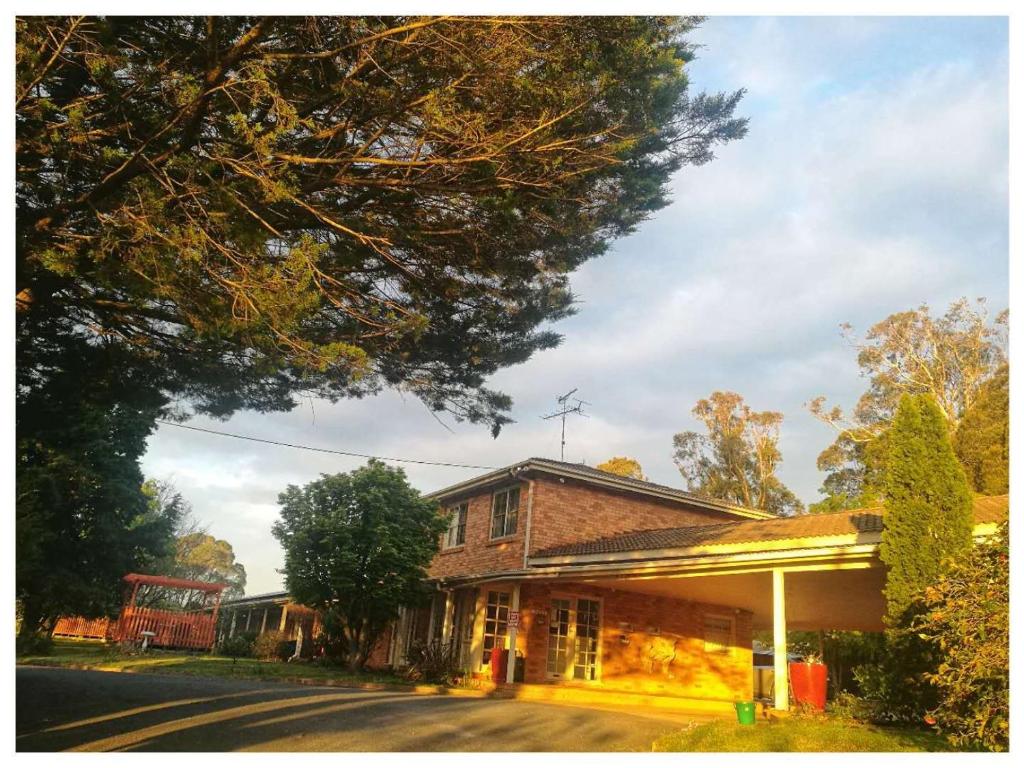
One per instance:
(608, 582)
(600, 580)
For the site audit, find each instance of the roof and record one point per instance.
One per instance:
(987, 509)
(262, 597)
(583, 473)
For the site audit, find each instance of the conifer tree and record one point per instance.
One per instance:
(928, 504)
(927, 528)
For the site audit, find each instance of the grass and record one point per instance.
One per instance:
(96, 655)
(798, 734)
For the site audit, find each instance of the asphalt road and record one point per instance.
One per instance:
(75, 710)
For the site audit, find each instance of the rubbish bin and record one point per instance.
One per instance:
(745, 712)
(499, 664)
(809, 681)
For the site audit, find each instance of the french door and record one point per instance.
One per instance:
(573, 635)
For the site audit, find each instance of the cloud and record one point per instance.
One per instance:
(874, 178)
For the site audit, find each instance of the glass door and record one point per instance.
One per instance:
(559, 628)
(573, 633)
(588, 618)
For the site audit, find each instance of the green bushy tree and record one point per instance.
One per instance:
(967, 615)
(982, 439)
(82, 519)
(356, 547)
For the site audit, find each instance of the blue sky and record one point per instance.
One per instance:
(874, 178)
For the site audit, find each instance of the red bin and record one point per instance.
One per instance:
(499, 663)
(810, 683)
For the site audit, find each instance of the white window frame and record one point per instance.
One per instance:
(457, 515)
(500, 639)
(504, 493)
(712, 645)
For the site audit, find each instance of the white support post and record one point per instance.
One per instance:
(513, 632)
(263, 626)
(779, 640)
(449, 615)
(234, 615)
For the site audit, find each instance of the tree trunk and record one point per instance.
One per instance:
(31, 619)
(355, 658)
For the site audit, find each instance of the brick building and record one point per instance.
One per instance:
(597, 580)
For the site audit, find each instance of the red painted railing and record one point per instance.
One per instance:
(76, 626)
(172, 629)
(194, 629)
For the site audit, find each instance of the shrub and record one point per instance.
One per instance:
(968, 618)
(434, 662)
(273, 645)
(849, 707)
(237, 647)
(35, 644)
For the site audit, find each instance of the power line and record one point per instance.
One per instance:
(324, 450)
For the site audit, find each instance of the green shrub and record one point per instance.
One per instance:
(237, 647)
(850, 707)
(273, 645)
(968, 619)
(434, 662)
(36, 644)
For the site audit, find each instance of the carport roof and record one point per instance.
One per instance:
(987, 509)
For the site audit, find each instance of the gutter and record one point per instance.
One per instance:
(855, 555)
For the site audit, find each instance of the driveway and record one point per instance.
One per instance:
(62, 709)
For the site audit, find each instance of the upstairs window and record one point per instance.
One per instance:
(456, 534)
(505, 512)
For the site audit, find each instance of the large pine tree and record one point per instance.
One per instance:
(928, 525)
(928, 503)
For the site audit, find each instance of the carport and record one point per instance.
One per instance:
(804, 573)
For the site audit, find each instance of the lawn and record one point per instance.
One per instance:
(99, 656)
(798, 734)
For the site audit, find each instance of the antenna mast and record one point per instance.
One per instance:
(564, 409)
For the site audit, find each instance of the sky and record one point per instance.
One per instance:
(874, 178)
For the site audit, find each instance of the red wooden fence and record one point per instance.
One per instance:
(193, 629)
(173, 629)
(76, 626)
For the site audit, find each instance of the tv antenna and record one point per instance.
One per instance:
(564, 409)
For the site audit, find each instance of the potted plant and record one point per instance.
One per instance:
(809, 680)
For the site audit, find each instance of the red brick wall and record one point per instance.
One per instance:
(648, 643)
(562, 513)
(479, 554)
(572, 511)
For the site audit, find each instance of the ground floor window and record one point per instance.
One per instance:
(495, 622)
(718, 632)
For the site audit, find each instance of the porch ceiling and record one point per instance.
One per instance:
(847, 599)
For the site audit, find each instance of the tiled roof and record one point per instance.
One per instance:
(584, 473)
(640, 485)
(987, 509)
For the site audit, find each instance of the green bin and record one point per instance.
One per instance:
(745, 712)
